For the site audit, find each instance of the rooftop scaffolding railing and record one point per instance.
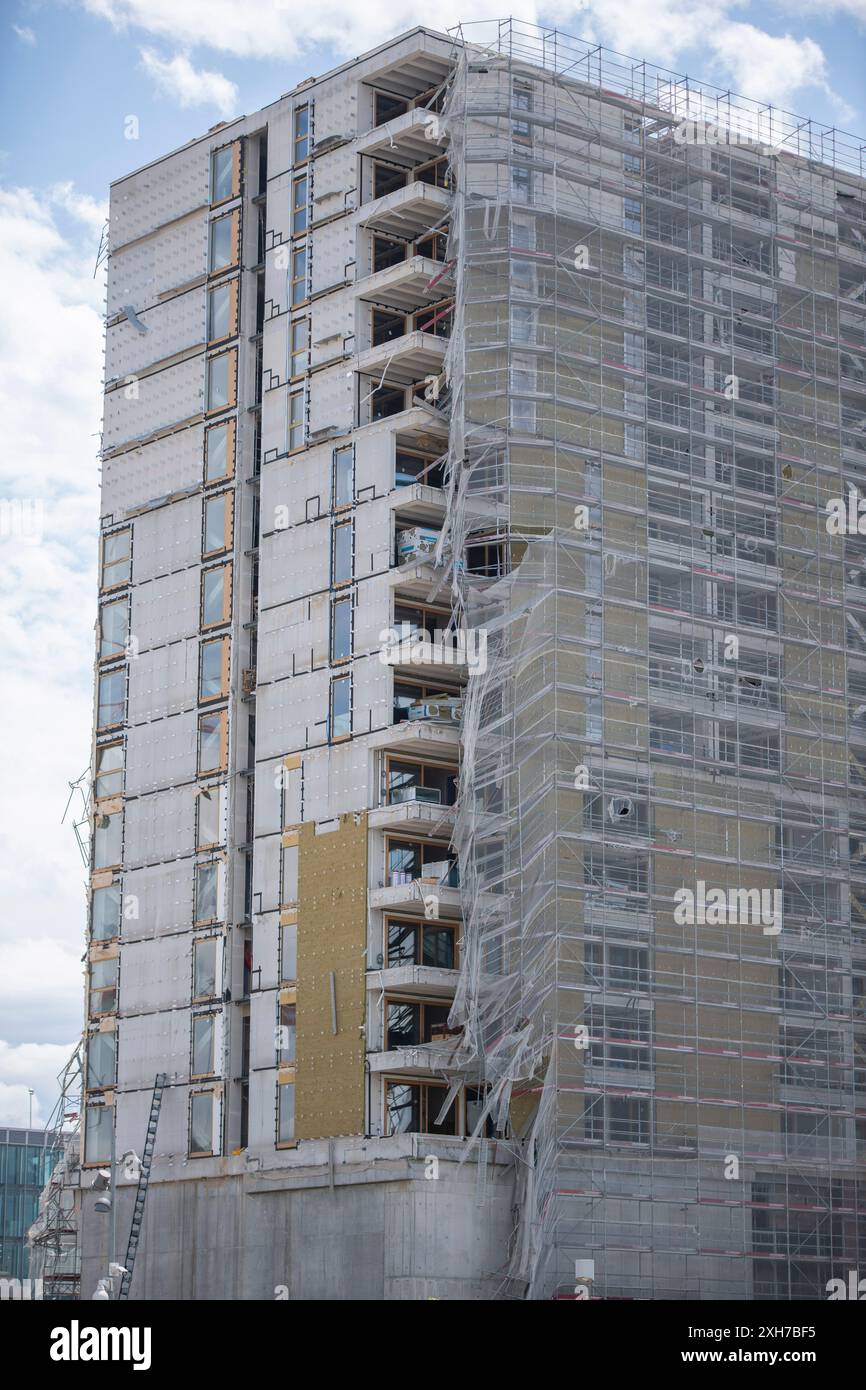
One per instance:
(736, 119)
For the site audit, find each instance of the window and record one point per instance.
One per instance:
(341, 629)
(521, 183)
(386, 107)
(341, 707)
(97, 1133)
(207, 891)
(221, 377)
(296, 421)
(412, 1108)
(300, 196)
(632, 215)
(108, 841)
(387, 251)
(201, 1123)
(204, 968)
(302, 133)
(619, 1039)
(116, 558)
(222, 312)
(222, 247)
(217, 523)
(421, 943)
(625, 1120)
(219, 451)
(289, 951)
(105, 912)
(343, 477)
(421, 782)
(213, 675)
(203, 1031)
(288, 1030)
(412, 859)
(211, 742)
(411, 467)
(101, 1049)
(113, 629)
(209, 827)
(222, 181)
(216, 587)
(412, 1022)
(103, 986)
(109, 770)
(341, 553)
(299, 354)
(521, 100)
(299, 275)
(285, 1112)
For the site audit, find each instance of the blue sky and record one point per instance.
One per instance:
(71, 73)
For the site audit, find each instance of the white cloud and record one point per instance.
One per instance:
(188, 86)
(25, 34)
(50, 369)
(709, 37)
(30, 1065)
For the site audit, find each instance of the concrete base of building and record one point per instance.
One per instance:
(373, 1229)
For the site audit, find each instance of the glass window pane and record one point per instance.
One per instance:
(289, 951)
(105, 912)
(113, 624)
(341, 707)
(221, 243)
(215, 523)
(204, 969)
(341, 629)
(342, 554)
(403, 1106)
(219, 301)
(97, 1141)
(286, 1124)
(210, 742)
(100, 1060)
(221, 174)
(213, 584)
(343, 477)
(202, 1045)
(109, 770)
(108, 841)
(211, 670)
(206, 880)
(218, 382)
(216, 452)
(116, 563)
(209, 828)
(201, 1124)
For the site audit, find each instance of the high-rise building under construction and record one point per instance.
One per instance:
(478, 873)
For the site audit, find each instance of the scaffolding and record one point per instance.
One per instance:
(658, 383)
(55, 1254)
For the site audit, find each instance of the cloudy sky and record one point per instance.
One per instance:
(73, 71)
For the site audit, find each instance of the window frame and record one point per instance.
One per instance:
(224, 644)
(199, 943)
(221, 718)
(123, 651)
(233, 219)
(212, 1150)
(230, 357)
(233, 150)
(343, 602)
(335, 682)
(102, 748)
(105, 587)
(226, 596)
(230, 289)
(227, 500)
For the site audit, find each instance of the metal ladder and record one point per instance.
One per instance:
(143, 1179)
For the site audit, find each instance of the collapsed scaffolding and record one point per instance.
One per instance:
(55, 1254)
(658, 380)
